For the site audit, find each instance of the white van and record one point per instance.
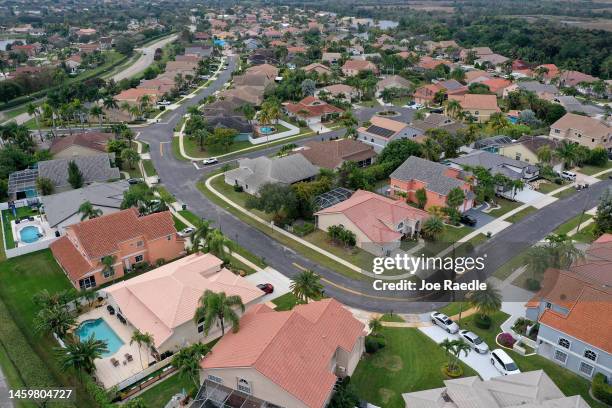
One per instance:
(504, 364)
(568, 175)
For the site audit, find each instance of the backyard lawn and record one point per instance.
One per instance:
(568, 382)
(7, 217)
(409, 362)
(159, 394)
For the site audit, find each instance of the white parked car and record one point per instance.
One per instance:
(504, 364)
(442, 320)
(164, 103)
(568, 175)
(414, 105)
(474, 341)
(186, 232)
(210, 160)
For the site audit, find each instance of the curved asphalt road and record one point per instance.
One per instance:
(180, 177)
(146, 58)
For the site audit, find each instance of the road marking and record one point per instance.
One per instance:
(300, 267)
(161, 149)
(195, 165)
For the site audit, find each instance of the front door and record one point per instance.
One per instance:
(126, 263)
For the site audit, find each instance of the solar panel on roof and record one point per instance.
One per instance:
(380, 131)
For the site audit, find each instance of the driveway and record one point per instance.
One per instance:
(482, 218)
(481, 363)
(280, 282)
(528, 195)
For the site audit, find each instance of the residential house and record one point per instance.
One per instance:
(533, 389)
(543, 91)
(318, 68)
(432, 46)
(252, 174)
(88, 48)
(331, 57)
(479, 106)
(497, 164)
(574, 79)
(198, 51)
(74, 63)
(263, 56)
(582, 130)
(427, 63)
(312, 110)
(332, 153)
(270, 71)
(550, 72)
(574, 105)
(379, 223)
(180, 284)
(340, 91)
(354, 67)
(125, 236)
(497, 85)
(426, 94)
(437, 179)
(478, 52)
(162, 83)
(477, 75)
(393, 82)
(62, 209)
(133, 96)
(80, 144)
(383, 130)
(436, 121)
(492, 60)
(526, 149)
(284, 359)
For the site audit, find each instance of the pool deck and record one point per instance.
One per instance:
(105, 371)
(38, 222)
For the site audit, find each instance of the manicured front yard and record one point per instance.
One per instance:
(590, 170)
(411, 361)
(389, 317)
(354, 255)
(450, 235)
(546, 188)
(521, 214)
(568, 382)
(192, 148)
(285, 302)
(573, 223)
(505, 206)
(159, 394)
(454, 308)
(565, 193)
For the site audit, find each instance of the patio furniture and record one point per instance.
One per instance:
(129, 357)
(110, 309)
(115, 362)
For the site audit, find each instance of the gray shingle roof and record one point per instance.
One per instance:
(495, 163)
(535, 86)
(415, 168)
(94, 168)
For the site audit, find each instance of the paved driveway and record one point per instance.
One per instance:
(481, 363)
(482, 218)
(528, 195)
(280, 282)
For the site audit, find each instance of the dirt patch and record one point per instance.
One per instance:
(390, 362)
(386, 395)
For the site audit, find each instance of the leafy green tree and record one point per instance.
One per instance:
(130, 156)
(187, 361)
(45, 186)
(487, 301)
(307, 285)
(88, 211)
(455, 197)
(421, 197)
(275, 199)
(397, 151)
(54, 319)
(75, 177)
(80, 355)
(308, 87)
(218, 308)
(603, 217)
(432, 228)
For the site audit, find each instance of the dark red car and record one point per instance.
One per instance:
(266, 287)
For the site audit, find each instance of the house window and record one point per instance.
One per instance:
(586, 369)
(138, 258)
(244, 386)
(565, 343)
(560, 356)
(200, 325)
(591, 355)
(88, 282)
(107, 273)
(557, 131)
(139, 243)
(215, 379)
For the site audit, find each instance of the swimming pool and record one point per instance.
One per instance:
(29, 234)
(266, 130)
(101, 331)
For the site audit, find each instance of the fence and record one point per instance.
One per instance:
(293, 130)
(26, 249)
(163, 365)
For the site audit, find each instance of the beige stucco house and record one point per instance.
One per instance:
(585, 131)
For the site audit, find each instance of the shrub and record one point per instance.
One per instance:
(162, 108)
(373, 344)
(303, 229)
(506, 340)
(238, 188)
(533, 284)
(558, 180)
(482, 322)
(601, 389)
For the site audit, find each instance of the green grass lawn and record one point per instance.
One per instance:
(546, 188)
(133, 172)
(521, 214)
(388, 317)
(453, 308)
(239, 198)
(450, 235)
(409, 362)
(506, 269)
(505, 206)
(178, 224)
(573, 223)
(285, 302)
(590, 170)
(568, 382)
(369, 104)
(354, 255)
(191, 217)
(149, 168)
(165, 194)
(20, 279)
(565, 193)
(586, 234)
(159, 394)
(192, 148)
(7, 217)
(401, 101)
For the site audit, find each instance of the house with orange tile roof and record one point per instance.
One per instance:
(550, 71)
(379, 223)
(427, 62)
(133, 96)
(312, 110)
(479, 106)
(125, 236)
(180, 284)
(353, 67)
(497, 85)
(284, 359)
(318, 68)
(381, 130)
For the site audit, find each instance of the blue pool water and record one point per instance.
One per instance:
(266, 130)
(29, 234)
(219, 42)
(101, 331)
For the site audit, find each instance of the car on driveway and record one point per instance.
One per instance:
(414, 105)
(186, 232)
(442, 320)
(210, 160)
(266, 287)
(504, 364)
(468, 220)
(474, 341)
(133, 181)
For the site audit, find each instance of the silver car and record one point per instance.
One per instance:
(442, 320)
(474, 341)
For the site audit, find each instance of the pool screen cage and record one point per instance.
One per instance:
(332, 197)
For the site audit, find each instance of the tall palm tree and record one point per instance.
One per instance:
(453, 108)
(98, 112)
(80, 355)
(453, 349)
(130, 156)
(218, 308)
(34, 111)
(544, 154)
(307, 285)
(487, 301)
(218, 244)
(568, 153)
(431, 149)
(198, 236)
(109, 103)
(44, 299)
(141, 339)
(187, 361)
(88, 211)
(432, 228)
(56, 319)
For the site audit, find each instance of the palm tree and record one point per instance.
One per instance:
(487, 301)
(498, 121)
(431, 149)
(141, 338)
(130, 156)
(432, 228)
(218, 308)
(109, 103)
(307, 285)
(453, 349)
(80, 355)
(56, 319)
(187, 361)
(419, 114)
(453, 108)
(88, 211)
(97, 111)
(567, 152)
(198, 237)
(44, 299)
(34, 111)
(375, 325)
(544, 154)
(108, 265)
(218, 244)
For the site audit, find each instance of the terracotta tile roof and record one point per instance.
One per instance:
(431, 63)
(180, 284)
(333, 153)
(293, 349)
(71, 260)
(359, 65)
(134, 94)
(317, 67)
(101, 236)
(311, 106)
(373, 213)
(91, 140)
(497, 84)
(476, 101)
